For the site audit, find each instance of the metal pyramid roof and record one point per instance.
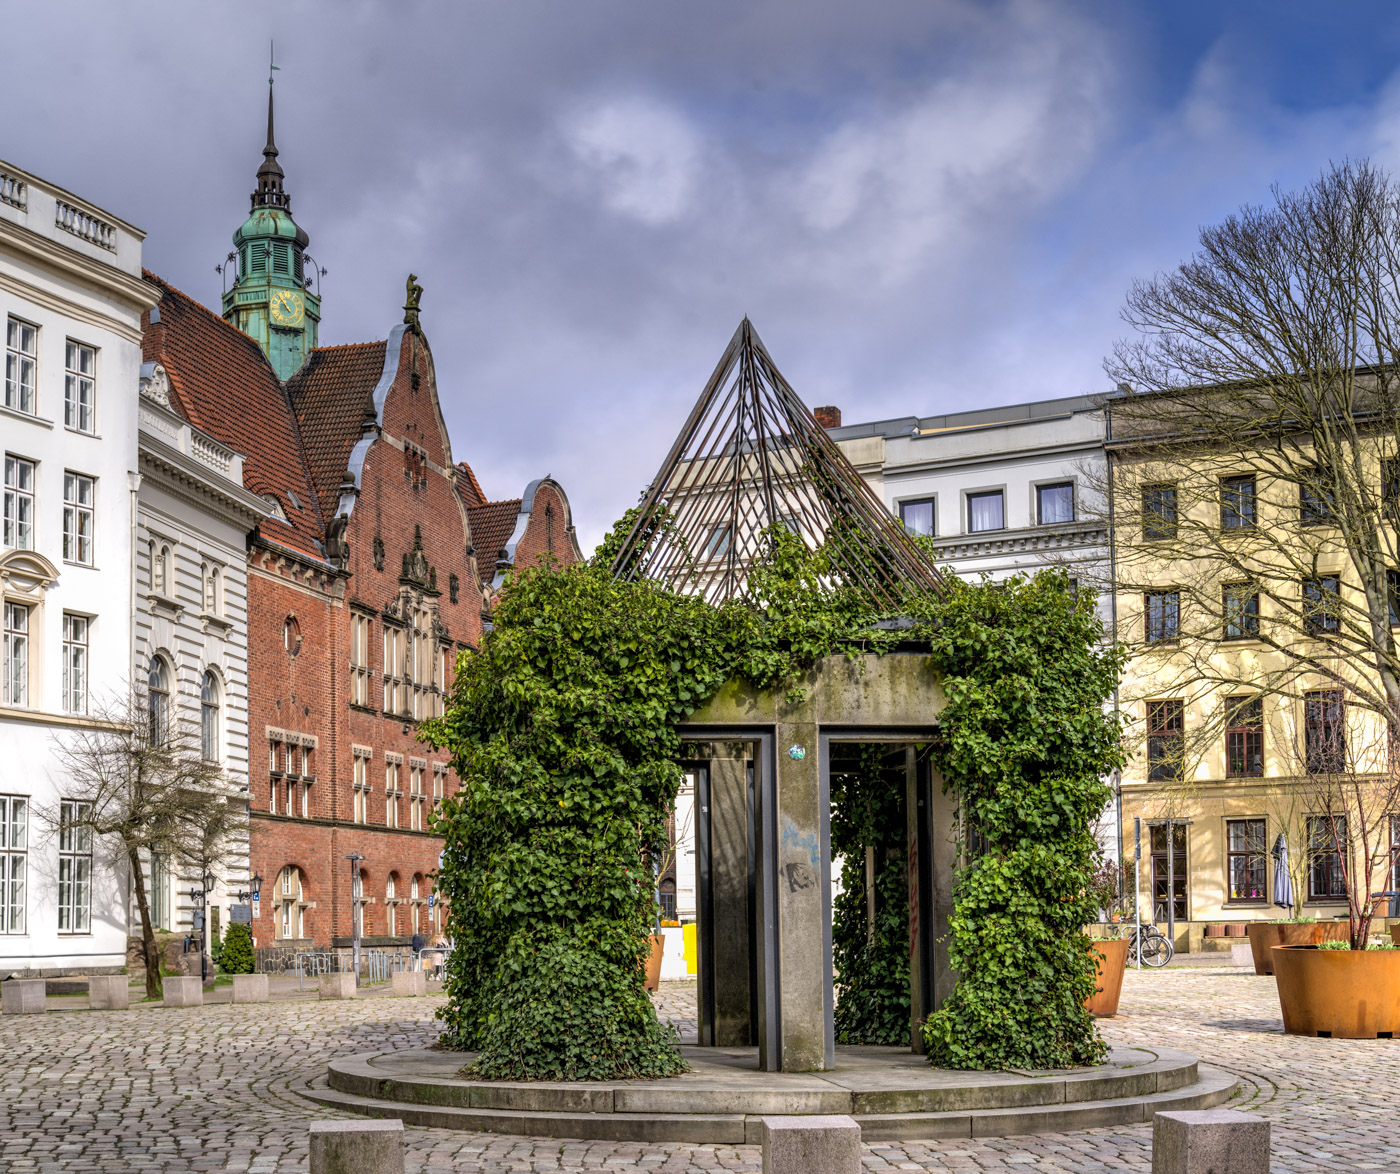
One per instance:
(752, 456)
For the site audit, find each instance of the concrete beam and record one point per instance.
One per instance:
(108, 992)
(357, 1147)
(23, 996)
(1210, 1141)
(811, 1145)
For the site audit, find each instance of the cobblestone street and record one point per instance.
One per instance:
(152, 1089)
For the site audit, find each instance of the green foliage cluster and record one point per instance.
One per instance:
(237, 956)
(563, 731)
(868, 809)
(1025, 743)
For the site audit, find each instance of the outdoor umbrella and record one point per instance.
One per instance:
(1283, 883)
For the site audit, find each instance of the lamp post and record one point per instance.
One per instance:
(200, 897)
(355, 858)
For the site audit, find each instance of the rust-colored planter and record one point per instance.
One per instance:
(1344, 994)
(1264, 935)
(1395, 933)
(1112, 959)
(658, 951)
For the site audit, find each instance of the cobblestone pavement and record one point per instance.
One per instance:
(155, 1089)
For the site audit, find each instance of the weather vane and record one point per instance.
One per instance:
(271, 59)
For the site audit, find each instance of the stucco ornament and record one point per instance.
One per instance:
(156, 386)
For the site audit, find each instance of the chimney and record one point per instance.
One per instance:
(828, 417)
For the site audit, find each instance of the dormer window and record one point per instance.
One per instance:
(275, 506)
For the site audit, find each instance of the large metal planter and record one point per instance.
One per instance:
(1265, 935)
(1344, 994)
(1112, 959)
(653, 967)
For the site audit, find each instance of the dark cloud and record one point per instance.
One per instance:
(922, 205)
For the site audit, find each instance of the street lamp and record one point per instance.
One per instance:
(253, 892)
(355, 895)
(200, 899)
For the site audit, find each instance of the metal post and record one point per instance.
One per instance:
(1137, 887)
(355, 858)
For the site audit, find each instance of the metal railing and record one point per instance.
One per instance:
(375, 965)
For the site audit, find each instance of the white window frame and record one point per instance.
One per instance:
(211, 740)
(79, 517)
(360, 672)
(18, 619)
(415, 795)
(21, 475)
(361, 785)
(79, 387)
(392, 791)
(21, 395)
(393, 666)
(74, 869)
(77, 639)
(14, 863)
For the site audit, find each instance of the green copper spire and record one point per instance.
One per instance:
(269, 301)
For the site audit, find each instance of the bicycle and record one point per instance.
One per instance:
(1157, 951)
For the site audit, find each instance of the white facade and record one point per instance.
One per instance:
(71, 299)
(1000, 489)
(191, 623)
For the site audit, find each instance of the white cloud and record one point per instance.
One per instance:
(641, 158)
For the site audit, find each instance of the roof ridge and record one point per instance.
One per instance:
(345, 346)
(198, 305)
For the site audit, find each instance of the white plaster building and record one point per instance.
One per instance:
(191, 623)
(1000, 489)
(71, 298)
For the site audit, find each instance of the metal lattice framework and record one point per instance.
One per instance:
(749, 457)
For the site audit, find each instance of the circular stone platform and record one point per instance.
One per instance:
(891, 1092)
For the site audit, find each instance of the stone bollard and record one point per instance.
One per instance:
(337, 986)
(183, 992)
(1210, 1141)
(23, 996)
(811, 1145)
(251, 988)
(1241, 954)
(357, 1147)
(408, 982)
(108, 992)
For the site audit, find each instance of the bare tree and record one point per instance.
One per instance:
(1351, 780)
(141, 785)
(1253, 452)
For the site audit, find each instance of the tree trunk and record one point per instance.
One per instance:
(154, 987)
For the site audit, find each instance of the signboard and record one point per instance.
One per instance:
(257, 905)
(431, 898)
(198, 922)
(240, 914)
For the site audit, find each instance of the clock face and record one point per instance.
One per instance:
(287, 308)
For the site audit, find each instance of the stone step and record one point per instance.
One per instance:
(1211, 1087)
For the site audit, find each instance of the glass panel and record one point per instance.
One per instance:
(984, 512)
(1055, 503)
(917, 517)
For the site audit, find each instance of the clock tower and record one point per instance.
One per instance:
(270, 300)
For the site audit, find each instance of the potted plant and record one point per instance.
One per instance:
(1112, 948)
(1345, 989)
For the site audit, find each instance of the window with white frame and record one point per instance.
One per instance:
(422, 675)
(416, 798)
(19, 502)
(393, 666)
(79, 386)
(290, 906)
(439, 785)
(78, 492)
(16, 664)
(158, 702)
(392, 763)
(14, 862)
(444, 677)
(391, 904)
(209, 707)
(359, 658)
(75, 663)
(74, 867)
(21, 365)
(160, 891)
(361, 784)
(413, 903)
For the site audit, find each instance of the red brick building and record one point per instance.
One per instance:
(374, 569)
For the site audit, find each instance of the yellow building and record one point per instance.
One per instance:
(1246, 580)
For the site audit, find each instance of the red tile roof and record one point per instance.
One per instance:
(224, 384)
(332, 396)
(492, 525)
(469, 486)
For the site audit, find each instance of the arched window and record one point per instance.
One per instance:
(158, 702)
(390, 905)
(209, 717)
(291, 635)
(290, 908)
(162, 583)
(213, 589)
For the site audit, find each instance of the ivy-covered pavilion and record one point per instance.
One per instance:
(750, 457)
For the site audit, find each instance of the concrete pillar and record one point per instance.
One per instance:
(337, 986)
(187, 991)
(23, 996)
(251, 988)
(1210, 1141)
(811, 1145)
(108, 992)
(729, 887)
(357, 1147)
(806, 1037)
(408, 982)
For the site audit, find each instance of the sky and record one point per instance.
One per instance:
(923, 205)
